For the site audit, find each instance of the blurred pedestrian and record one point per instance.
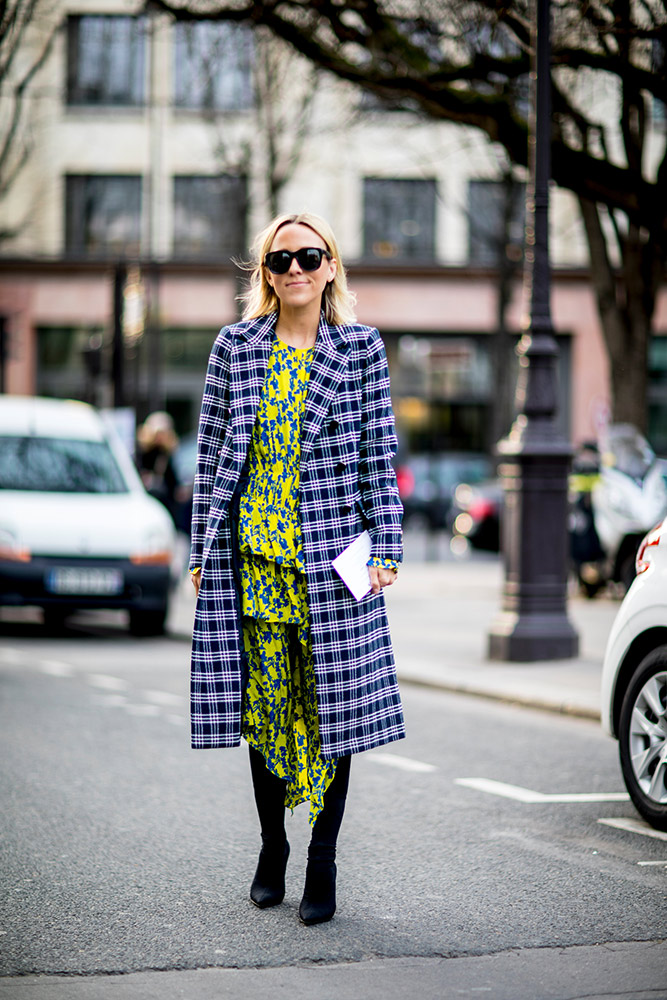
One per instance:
(156, 443)
(296, 438)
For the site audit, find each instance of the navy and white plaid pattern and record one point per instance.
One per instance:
(347, 484)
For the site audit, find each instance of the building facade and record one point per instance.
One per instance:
(159, 149)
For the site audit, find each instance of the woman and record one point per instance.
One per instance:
(295, 444)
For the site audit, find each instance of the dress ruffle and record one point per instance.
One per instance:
(280, 709)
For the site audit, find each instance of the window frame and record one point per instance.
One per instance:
(76, 225)
(215, 97)
(237, 196)
(77, 96)
(400, 250)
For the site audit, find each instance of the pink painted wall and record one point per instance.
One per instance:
(396, 303)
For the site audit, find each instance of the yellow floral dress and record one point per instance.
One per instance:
(280, 709)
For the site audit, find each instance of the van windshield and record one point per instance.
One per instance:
(59, 465)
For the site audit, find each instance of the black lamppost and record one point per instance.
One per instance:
(535, 458)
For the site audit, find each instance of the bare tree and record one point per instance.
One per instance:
(279, 127)
(467, 61)
(27, 35)
(283, 124)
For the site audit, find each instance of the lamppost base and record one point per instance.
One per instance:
(528, 638)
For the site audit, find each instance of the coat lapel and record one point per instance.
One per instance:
(328, 367)
(248, 371)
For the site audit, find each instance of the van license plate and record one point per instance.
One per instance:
(72, 580)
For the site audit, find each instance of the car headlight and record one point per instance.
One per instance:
(156, 553)
(643, 558)
(10, 548)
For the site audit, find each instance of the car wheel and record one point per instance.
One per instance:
(643, 738)
(148, 622)
(54, 619)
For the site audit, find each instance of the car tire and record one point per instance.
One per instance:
(147, 623)
(54, 619)
(643, 738)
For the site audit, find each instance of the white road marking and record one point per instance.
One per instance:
(55, 668)
(163, 698)
(178, 720)
(107, 682)
(402, 763)
(634, 826)
(110, 700)
(644, 864)
(142, 709)
(10, 655)
(520, 794)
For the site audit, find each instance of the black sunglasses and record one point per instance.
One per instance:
(308, 259)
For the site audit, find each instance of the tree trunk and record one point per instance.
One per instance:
(626, 310)
(629, 381)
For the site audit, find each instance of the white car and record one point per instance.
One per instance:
(634, 681)
(77, 528)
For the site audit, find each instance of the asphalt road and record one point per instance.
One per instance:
(125, 852)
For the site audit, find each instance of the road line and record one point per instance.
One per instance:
(107, 682)
(644, 864)
(164, 698)
(110, 700)
(520, 794)
(142, 709)
(402, 763)
(177, 720)
(634, 826)
(55, 668)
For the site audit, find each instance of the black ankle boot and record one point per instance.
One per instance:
(268, 885)
(319, 895)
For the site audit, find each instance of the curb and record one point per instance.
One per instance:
(542, 705)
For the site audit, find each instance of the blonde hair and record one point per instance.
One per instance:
(260, 298)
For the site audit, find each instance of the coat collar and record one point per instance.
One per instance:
(329, 363)
(262, 326)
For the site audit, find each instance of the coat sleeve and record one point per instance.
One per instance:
(212, 426)
(377, 479)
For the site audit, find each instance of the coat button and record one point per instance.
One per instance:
(333, 426)
(346, 508)
(341, 467)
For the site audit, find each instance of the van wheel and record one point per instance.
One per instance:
(54, 619)
(643, 738)
(147, 623)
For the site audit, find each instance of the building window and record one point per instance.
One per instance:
(213, 66)
(209, 216)
(496, 213)
(105, 60)
(102, 215)
(399, 219)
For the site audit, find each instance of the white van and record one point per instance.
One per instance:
(77, 528)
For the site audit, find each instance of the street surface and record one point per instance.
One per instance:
(479, 855)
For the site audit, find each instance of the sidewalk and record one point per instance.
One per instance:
(440, 614)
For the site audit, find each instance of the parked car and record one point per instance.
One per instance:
(634, 681)
(427, 484)
(476, 513)
(77, 528)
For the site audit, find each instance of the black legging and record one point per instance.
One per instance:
(270, 800)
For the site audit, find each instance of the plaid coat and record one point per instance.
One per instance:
(347, 484)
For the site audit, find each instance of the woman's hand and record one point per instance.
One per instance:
(381, 578)
(196, 580)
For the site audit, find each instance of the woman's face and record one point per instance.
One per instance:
(297, 288)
